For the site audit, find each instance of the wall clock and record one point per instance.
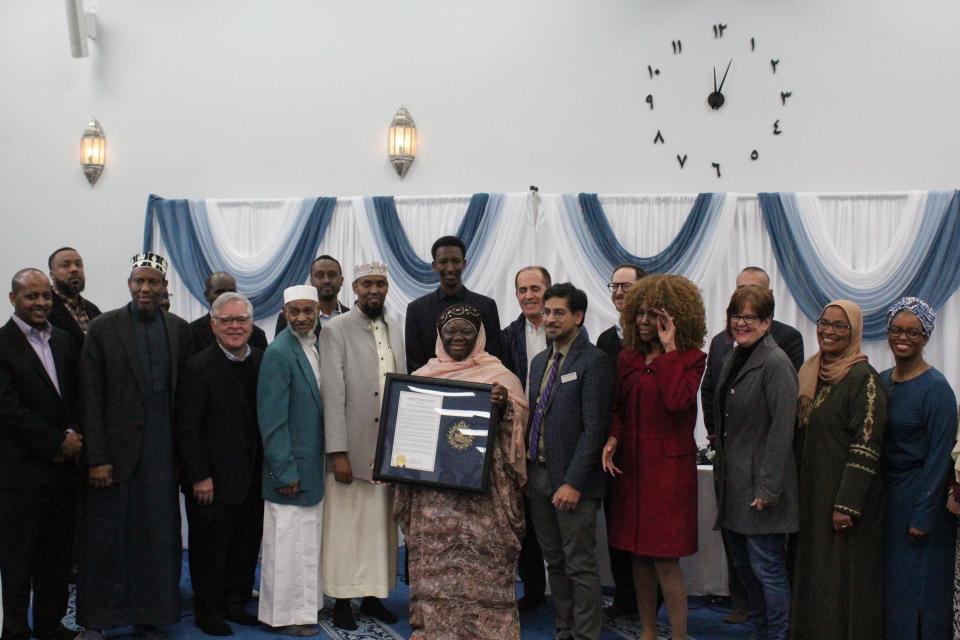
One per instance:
(720, 92)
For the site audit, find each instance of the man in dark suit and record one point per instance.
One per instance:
(326, 275)
(221, 457)
(39, 445)
(449, 261)
(610, 342)
(71, 312)
(571, 392)
(131, 361)
(201, 331)
(523, 339)
(788, 339)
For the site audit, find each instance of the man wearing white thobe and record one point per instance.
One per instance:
(357, 350)
(290, 412)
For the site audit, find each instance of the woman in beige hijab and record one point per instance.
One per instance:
(838, 588)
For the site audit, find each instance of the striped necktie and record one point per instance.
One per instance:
(542, 403)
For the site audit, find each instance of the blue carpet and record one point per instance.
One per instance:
(704, 622)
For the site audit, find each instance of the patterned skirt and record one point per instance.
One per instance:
(956, 590)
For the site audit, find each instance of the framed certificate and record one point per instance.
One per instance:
(435, 432)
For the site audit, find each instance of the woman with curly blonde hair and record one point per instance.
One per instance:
(653, 496)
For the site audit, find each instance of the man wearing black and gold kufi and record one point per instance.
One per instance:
(130, 559)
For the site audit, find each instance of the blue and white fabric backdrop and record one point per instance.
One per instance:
(866, 246)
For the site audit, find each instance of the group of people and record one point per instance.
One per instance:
(835, 484)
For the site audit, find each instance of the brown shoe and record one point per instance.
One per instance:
(736, 617)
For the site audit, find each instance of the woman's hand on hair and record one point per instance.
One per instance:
(609, 450)
(666, 330)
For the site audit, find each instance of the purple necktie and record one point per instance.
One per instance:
(542, 403)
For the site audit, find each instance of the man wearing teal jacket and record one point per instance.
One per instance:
(290, 412)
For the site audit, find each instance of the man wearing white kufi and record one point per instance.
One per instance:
(358, 349)
(290, 412)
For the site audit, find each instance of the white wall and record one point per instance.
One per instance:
(235, 98)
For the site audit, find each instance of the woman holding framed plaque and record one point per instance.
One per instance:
(462, 547)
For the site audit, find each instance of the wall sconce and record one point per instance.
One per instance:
(402, 143)
(93, 151)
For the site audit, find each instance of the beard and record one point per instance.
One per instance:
(67, 289)
(372, 313)
(327, 297)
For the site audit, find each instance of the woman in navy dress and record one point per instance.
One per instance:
(919, 533)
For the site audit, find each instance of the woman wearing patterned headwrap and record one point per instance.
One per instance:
(918, 532)
(462, 548)
(842, 413)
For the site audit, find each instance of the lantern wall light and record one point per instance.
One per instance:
(402, 141)
(93, 151)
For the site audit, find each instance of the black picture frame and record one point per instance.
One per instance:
(459, 461)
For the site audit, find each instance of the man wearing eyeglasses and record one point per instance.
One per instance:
(201, 329)
(610, 342)
(570, 393)
(788, 339)
(221, 457)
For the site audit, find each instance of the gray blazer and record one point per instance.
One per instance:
(349, 375)
(755, 445)
(577, 418)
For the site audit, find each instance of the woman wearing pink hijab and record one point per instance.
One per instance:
(462, 548)
(838, 584)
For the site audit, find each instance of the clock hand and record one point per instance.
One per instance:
(714, 79)
(724, 79)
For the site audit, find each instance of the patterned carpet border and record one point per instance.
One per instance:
(367, 628)
(628, 627)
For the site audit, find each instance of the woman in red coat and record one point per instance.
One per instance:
(653, 497)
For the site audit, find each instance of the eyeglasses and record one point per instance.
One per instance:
(623, 285)
(838, 327)
(895, 332)
(233, 319)
(747, 320)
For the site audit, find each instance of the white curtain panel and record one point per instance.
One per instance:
(863, 237)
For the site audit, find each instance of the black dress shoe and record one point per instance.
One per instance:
(212, 626)
(374, 608)
(61, 633)
(616, 610)
(241, 617)
(529, 603)
(343, 616)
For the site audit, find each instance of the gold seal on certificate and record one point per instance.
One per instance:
(457, 438)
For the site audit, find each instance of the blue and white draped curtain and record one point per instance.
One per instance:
(870, 248)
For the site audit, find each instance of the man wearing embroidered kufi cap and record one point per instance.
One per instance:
(357, 350)
(290, 413)
(131, 359)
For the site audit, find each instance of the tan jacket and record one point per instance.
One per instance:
(349, 376)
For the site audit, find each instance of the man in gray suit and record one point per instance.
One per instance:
(357, 350)
(571, 395)
(132, 357)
